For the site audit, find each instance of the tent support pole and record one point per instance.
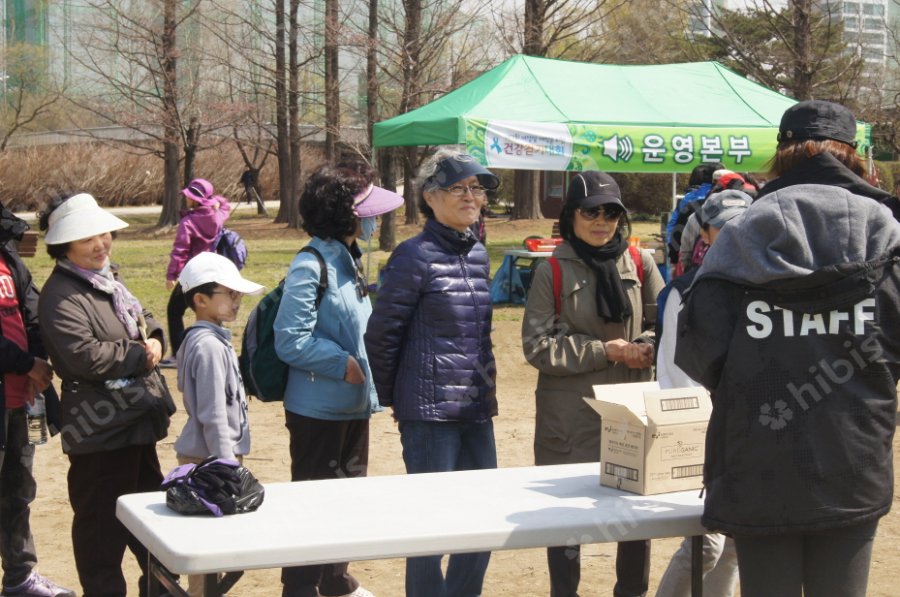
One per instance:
(674, 190)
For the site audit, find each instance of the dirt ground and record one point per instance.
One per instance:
(517, 573)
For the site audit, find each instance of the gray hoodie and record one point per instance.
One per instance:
(796, 231)
(210, 382)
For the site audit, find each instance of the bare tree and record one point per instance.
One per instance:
(427, 43)
(569, 29)
(270, 47)
(133, 54)
(28, 91)
(332, 78)
(799, 50)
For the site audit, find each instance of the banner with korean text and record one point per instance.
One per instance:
(616, 148)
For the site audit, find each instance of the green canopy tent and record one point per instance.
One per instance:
(542, 114)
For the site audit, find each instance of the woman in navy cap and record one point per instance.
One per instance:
(429, 343)
(586, 322)
(802, 358)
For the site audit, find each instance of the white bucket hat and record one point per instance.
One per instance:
(80, 217)
(211, 267)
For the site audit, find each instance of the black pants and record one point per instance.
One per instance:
(175, 317)
(632, 569)
(815, 564)
(17, 491)
(323, 449)
(98, 538)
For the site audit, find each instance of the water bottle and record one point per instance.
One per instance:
(37, 421)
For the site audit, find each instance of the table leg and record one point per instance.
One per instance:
(159, 577)
(222, 585)
(697, 566)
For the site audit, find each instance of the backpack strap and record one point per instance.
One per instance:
(323, 273)
(638, 262)
(557, 285)
(557, 276)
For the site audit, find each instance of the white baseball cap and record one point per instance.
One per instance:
(211, 267)
(80, 217)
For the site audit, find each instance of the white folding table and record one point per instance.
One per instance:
(371, 518)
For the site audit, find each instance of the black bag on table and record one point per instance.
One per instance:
(216, 486)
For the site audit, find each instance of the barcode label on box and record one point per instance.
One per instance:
(623, 472)
(692, 470)
(670, 404)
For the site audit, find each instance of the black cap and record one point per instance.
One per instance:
(817, 119)
(590, 189)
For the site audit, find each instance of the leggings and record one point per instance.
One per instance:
(816, 564)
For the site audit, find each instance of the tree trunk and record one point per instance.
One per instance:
(803, 69)
(294, 220)
(387, 237)
(167, 53)
(527, 196)
(285, 180)
(332, 80)
(173, 200)
(526, 183)
(192, 139)
(410, 161)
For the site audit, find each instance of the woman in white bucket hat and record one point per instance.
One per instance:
(105, 348)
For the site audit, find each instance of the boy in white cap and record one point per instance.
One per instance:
(208, 374)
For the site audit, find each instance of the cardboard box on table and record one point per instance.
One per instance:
(652, 440)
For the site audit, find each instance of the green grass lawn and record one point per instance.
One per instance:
(143, 256)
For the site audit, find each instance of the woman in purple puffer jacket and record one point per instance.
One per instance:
(198, 229)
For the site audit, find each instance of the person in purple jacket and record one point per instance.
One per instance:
(429, 347)
(198, 229)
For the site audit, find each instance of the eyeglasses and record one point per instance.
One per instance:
(232, 294)
(609, 212)
(459, 190)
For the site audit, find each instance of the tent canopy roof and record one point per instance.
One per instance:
(529, 89)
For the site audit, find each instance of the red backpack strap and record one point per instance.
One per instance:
(638, 262)
(557, 285)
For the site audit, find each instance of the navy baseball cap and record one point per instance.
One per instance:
(455, 168)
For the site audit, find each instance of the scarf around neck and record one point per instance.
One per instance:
(127, 308)
(612, 303)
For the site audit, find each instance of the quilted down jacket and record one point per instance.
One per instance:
(428, 338)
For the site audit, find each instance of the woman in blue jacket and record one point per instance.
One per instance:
(329, 396)
(430, 349)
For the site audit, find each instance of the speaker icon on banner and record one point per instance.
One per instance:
(616, 148)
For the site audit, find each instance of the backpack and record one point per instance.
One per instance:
(229, 243)
(557, 276)
(264, 374)
(680, 215)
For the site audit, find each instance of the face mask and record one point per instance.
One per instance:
(367, 227)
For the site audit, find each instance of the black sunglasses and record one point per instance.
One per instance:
(610, 212)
